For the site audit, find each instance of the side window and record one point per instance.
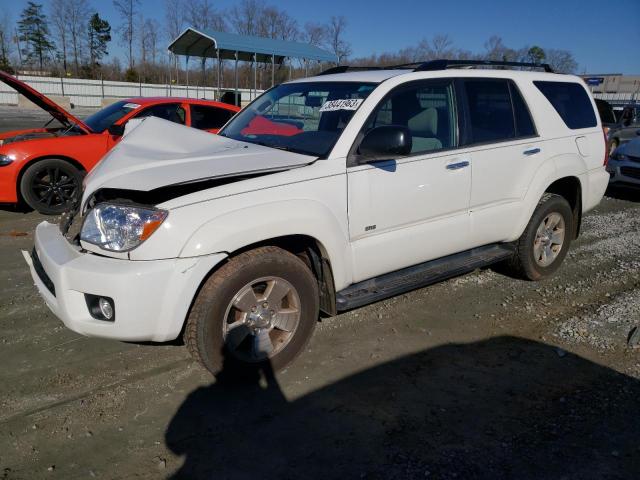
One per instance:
(490, 112)
(524, 123)
(209, 118)
(167, 111)
(427, 110)
(571, 101)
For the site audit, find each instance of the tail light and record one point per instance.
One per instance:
(605, 131)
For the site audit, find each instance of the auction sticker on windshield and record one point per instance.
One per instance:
(343, 104)
(132, 106)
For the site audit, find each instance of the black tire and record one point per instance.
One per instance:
(523, 264)
(50, 186)
(209, 315)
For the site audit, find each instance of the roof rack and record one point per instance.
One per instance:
(440, 64)
(444, 64)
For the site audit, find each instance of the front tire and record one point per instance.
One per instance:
(545, 242)
(50, 186)
(259, 309)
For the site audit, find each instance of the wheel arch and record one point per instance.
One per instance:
(40, 158)
(570, 188)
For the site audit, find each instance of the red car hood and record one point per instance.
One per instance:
(43, 102)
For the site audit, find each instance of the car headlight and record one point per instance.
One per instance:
(5, 160)
(120, 228)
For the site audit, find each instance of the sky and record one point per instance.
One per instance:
(593, 30)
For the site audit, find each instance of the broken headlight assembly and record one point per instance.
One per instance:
(120, 228)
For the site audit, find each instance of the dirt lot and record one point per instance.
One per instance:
(482, 376)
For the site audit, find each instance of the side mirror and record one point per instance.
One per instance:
(385, 143)
(116, 130)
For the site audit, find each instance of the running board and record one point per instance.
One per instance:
(421, 275)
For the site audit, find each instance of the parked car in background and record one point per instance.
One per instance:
(44, 167)
(624, 164)
(626, 128)
(324, 194)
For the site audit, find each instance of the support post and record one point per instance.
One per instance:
(290, 66)
(273, 70)
(255, 76)
(306, 68)
(217, 97)
(186, 66)
(236, 78)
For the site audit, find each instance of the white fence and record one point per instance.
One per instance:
(89, 93)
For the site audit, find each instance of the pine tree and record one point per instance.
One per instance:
(98, 35)
(34, 31)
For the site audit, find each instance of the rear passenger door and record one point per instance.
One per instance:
(411, 209)
(211, 119)
(505, 154)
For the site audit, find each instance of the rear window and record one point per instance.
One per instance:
(209, 118)
(571, 102)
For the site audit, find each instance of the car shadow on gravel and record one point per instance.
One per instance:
(497, 409)
(629, 194)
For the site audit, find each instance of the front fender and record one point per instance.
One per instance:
(245, 226)
(554, 168)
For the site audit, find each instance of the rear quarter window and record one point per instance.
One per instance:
(571, 101)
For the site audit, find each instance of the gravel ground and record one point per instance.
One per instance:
(479, 377)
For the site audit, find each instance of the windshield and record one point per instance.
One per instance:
(103, 119)
(305, 117)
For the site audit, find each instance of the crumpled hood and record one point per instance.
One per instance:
(159, 153)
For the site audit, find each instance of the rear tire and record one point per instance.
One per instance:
(51, 186)
(545, 241)
(257, 311)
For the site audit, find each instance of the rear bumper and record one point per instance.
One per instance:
(151, 298)
(596, 183)
(624, 172)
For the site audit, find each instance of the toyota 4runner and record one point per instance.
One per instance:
(324, 194)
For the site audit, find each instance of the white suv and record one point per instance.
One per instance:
(324, 194)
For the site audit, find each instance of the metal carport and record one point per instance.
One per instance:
(230, 46)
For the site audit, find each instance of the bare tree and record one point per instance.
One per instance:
(77, 13)
(128, 10)
(276, 23)
(174, 21)
(335, 34)
(314, 34)
(561, 60)
(59, 9)
(202, 15)
(6, 43)
(245, 17)
(442, 46)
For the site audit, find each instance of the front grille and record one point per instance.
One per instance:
(37, 266)
(633, 159)
(630, 172)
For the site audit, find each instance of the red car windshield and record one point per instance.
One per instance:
(103, 119)
(307, 117)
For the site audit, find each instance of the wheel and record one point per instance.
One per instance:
(545, 242)
(259, 309)
(49, 186)
(613, 145)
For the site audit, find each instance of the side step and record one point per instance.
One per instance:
(421, 275)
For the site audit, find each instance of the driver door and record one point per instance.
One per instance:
(405, 211)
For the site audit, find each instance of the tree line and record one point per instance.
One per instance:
(71, 39)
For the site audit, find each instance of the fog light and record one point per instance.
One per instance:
(100, 308)
(105, 308)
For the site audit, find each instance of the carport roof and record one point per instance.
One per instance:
(205, 43)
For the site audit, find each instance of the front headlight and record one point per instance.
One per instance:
(120, 228)
(5, 159)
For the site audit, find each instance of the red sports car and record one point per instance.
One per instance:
(44, 167)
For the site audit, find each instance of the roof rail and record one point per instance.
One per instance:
(440, 64)
(347, 68)
(443, 64)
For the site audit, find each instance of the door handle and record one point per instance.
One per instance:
(531, 151)
(458, 165)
